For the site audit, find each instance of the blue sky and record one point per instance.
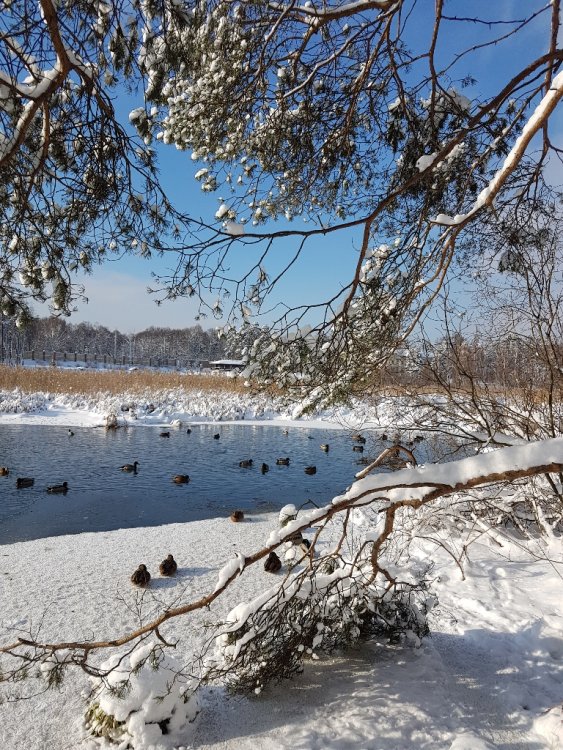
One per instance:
(117, 291)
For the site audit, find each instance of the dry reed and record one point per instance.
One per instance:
(66, 380)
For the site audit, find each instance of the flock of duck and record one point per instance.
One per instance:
(168, 567)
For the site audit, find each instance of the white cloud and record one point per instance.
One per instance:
(120, 300)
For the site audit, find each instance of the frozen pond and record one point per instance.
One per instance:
(102, 498)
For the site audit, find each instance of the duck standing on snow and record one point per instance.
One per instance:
(141, 576)
(168, 567)
(130, 467)
(58, 488)
(24, 482)
(273, 563)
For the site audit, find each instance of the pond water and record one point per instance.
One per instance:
(102, 498)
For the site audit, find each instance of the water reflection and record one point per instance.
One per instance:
(101, 497)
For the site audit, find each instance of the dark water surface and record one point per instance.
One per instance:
(102, 498)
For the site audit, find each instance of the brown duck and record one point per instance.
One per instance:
(273, 563)
(310, 470)
(236, 516)
(141, 577)
(4, 471)
(181, 478)
(168, 567)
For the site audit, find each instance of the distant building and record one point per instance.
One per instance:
(228, 364)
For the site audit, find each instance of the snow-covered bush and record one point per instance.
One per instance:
(144, 699)
(332, 603)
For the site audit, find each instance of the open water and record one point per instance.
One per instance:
(102, 498)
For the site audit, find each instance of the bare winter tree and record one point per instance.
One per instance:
(359, 117)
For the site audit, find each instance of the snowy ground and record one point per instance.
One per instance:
(490, 676)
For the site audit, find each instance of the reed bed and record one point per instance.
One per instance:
(89, 382)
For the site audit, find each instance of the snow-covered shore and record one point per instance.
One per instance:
(486, 677)
(160, 408)
(491, 675)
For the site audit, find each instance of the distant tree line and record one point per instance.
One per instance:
(57, 335)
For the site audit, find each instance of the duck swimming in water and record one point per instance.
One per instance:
(130, 467)
(58, 488)
(24, 482)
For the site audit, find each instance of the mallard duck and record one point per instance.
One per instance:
(246, 464)
(325, 447)
(164, 434)
(181, 479)
(24, 482)
(54, 488)
(141, 576)
(310, 470)
(236, 516)
(4, 471)
(295, 538)
(168, 567)
(273, 563)
(216, 436)
(130, 467)
(358, 448)
(70, 433)
(282, 461)
(264, 468)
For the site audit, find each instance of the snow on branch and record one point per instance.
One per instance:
(534, 124)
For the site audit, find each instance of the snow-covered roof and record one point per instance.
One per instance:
(228, 362)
